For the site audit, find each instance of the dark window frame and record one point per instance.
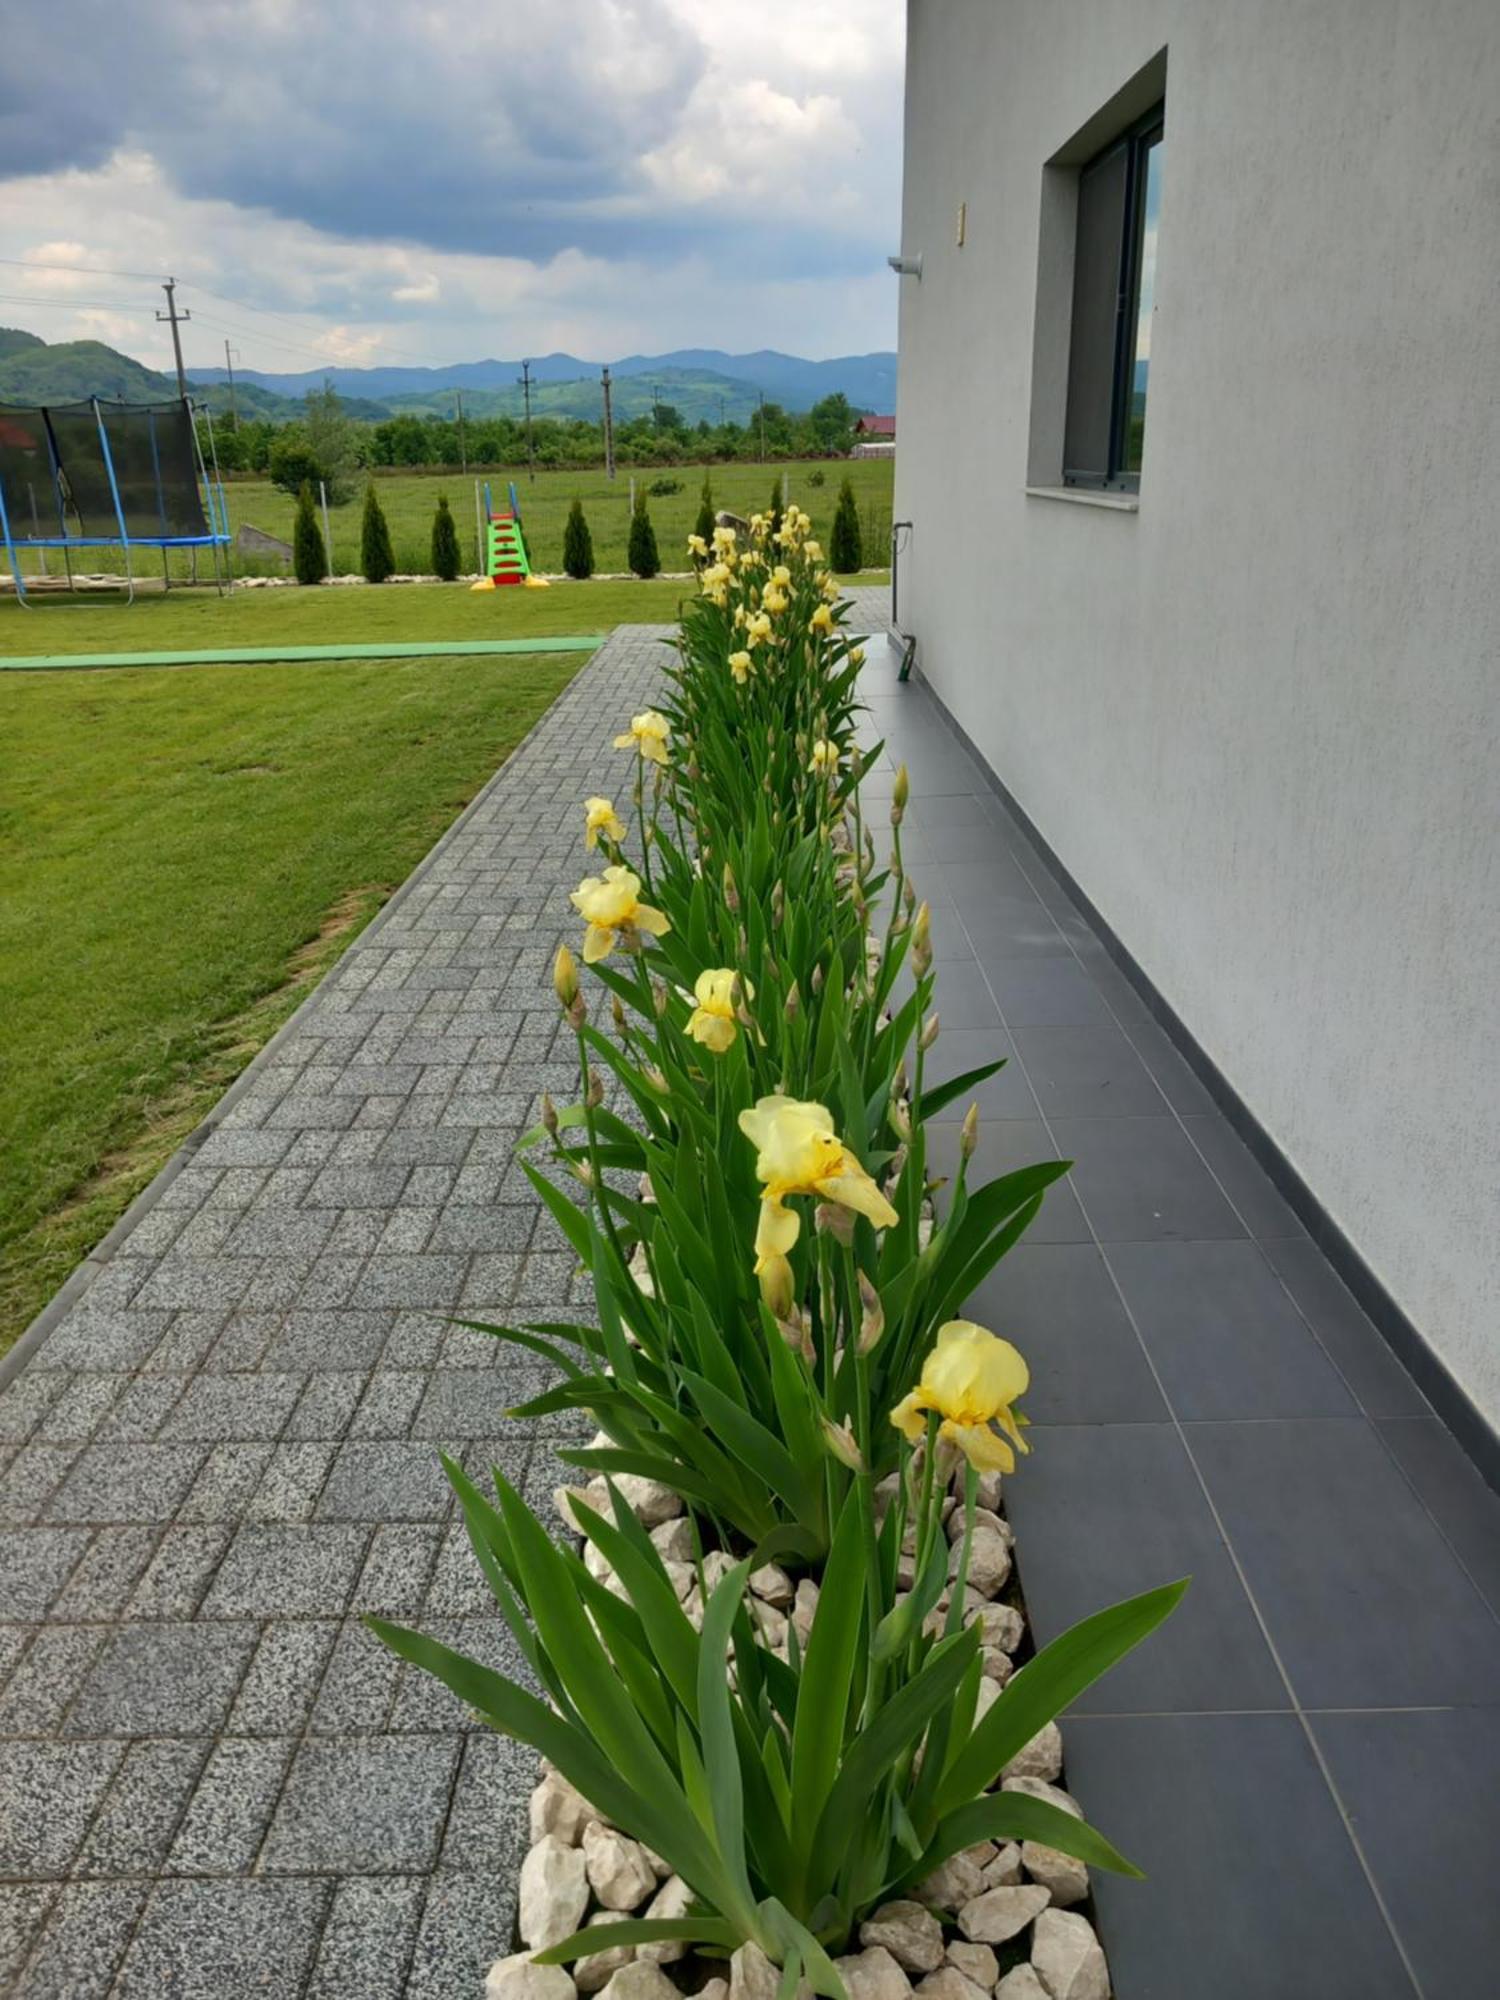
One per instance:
(1135, 143)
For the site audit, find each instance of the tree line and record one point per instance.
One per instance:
(325, 443)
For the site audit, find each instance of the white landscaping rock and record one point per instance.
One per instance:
(804, 1608)
(560, 1808)
(999, 1625)
(619, 1873)
(769, 1622)
(641, 1981)
(872, 1974)
(674, 1540)
(997, 1666)
(957, 1882)
(912, 1935)
(599, 1967)
(1038, 1788)
(989, 1561)
(1067, 1878)
(1000, 1913)
(987, 1694)
(682, 1577)
(752, 1976)
(652, 1502)
(670, 1900)
(713, 1989)
(948, 1983)
(1021, 1983)
(553, 1893)
(517, 1978)
(976, 1962)
(1068, 1958)
(1040, 1758)
(772, 1584)
(1004, 1868)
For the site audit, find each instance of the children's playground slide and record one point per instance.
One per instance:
(505, 557)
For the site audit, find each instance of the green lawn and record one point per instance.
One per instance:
(410, 498)
(182, 851)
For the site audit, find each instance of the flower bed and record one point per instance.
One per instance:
(781, 1701)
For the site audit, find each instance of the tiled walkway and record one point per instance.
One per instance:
(211, 1781)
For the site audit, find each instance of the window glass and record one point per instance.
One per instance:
(1140, 379)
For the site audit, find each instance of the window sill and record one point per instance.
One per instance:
(1088, 496)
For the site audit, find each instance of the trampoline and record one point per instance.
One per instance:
(98, 475)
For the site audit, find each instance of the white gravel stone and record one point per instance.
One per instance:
(1068, 1958)
(1021, 1983)
(957, 1882)
(558, 1807)
(1003, 1870)
(999, 1625)
(716, 1566)
(770, 1623)
(1039, 1788)
(670, 1900)
(752, 1976)
(1042, 1757)
(974, 1961)
(618, 1871)
(641, 1980)
(872, 1974)
(948, 1983)
(1067, 1878)
(989, 1491)
(989, 1561)
(1001, 1913)
(517, 1978)
(652, 1502)
(997, 1666)
(804, 1608)
(713, 1989)
(563, 1498)
(985, 1698)
(590, 1973)
(553, 1892)
(772, 1584)
(911, 1934)
(682, 1576)
(674, 1540)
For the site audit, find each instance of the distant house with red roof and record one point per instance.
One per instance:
(874, 437)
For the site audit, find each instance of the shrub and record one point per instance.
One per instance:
(704, 525)
(309, 557)
(845, 549)
(643, 558)
(660, 488)
(445, 551)
(293, 463)
(774, 511)
(578, 543)
(817, 477)
(376, 557)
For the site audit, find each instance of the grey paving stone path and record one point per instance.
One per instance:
(211, 1780)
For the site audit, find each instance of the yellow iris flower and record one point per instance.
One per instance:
(601, 817)
(781, 576)
(798, 1152)
(825, 758)
(649, 734)
(712, 1021)
(971, 1379)
(739, 666)
(821, 620)
(758, 629)
(774, 600)
(697, 546)
(611, 906)
(813, 551)
(725, 538)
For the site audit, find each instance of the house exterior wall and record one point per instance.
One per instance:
(1256, 719)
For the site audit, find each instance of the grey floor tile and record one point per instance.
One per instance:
(1047, 993)
(1058, 1304)
(35, 1563)
(959, 1050)
(283, 1571)
(204, 1940)
(364, 1808)
(488, 1829)
(237, 1409)
(424, 1704)
(1223, 1334)
(1253, 1890)
(1343, 1558)
(468, 1923)
(358, 1686)
(85, 1938)
(386, 1481)
(1422, 1791)
(1086, 1073)
(1181, 1087)
(1139, 1180)
(127, 1482)
(164, 1680)
(367, 1943)
(49, 1793)
(281, 1685)
(342, 1339)
(180, 1571)
(135, 1827)
(1379, 1382)
(1265, 1213)
(1101, 1512)
(34, 1699)
(1006, 1144)
(1007, 928)
(23, 1910)
(471, 1402)
(104, 1580)
(225, 1824)
(1467, 1511)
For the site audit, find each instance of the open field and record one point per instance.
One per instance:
(410, 498)
(182, 852)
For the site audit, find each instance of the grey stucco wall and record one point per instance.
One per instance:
(1257, 718)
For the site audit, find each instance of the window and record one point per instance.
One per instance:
(1114, 282)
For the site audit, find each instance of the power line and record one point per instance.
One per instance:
(90, 270)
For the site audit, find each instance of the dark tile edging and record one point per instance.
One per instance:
(82, 1277)
(1452, 1403)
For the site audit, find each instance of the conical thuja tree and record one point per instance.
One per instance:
(309, 557)
(643, 557)
(445, 552)
(704, 525)
(845, 546)
(376, 557)
(773, 512)
(578, 543)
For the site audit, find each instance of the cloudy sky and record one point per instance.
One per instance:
(450, 180)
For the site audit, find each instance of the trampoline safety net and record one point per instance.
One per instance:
(55, 475)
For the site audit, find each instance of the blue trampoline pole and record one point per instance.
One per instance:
(114, 487)
(10, 550)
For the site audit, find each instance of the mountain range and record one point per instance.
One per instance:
(699, 382)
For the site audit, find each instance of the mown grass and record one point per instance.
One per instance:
(182, 852)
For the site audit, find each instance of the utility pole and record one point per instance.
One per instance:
(656, 404)
(175, 318)
(233, 406)
(762, 406)
(463, 450)
(526, 385)
(609, 432)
